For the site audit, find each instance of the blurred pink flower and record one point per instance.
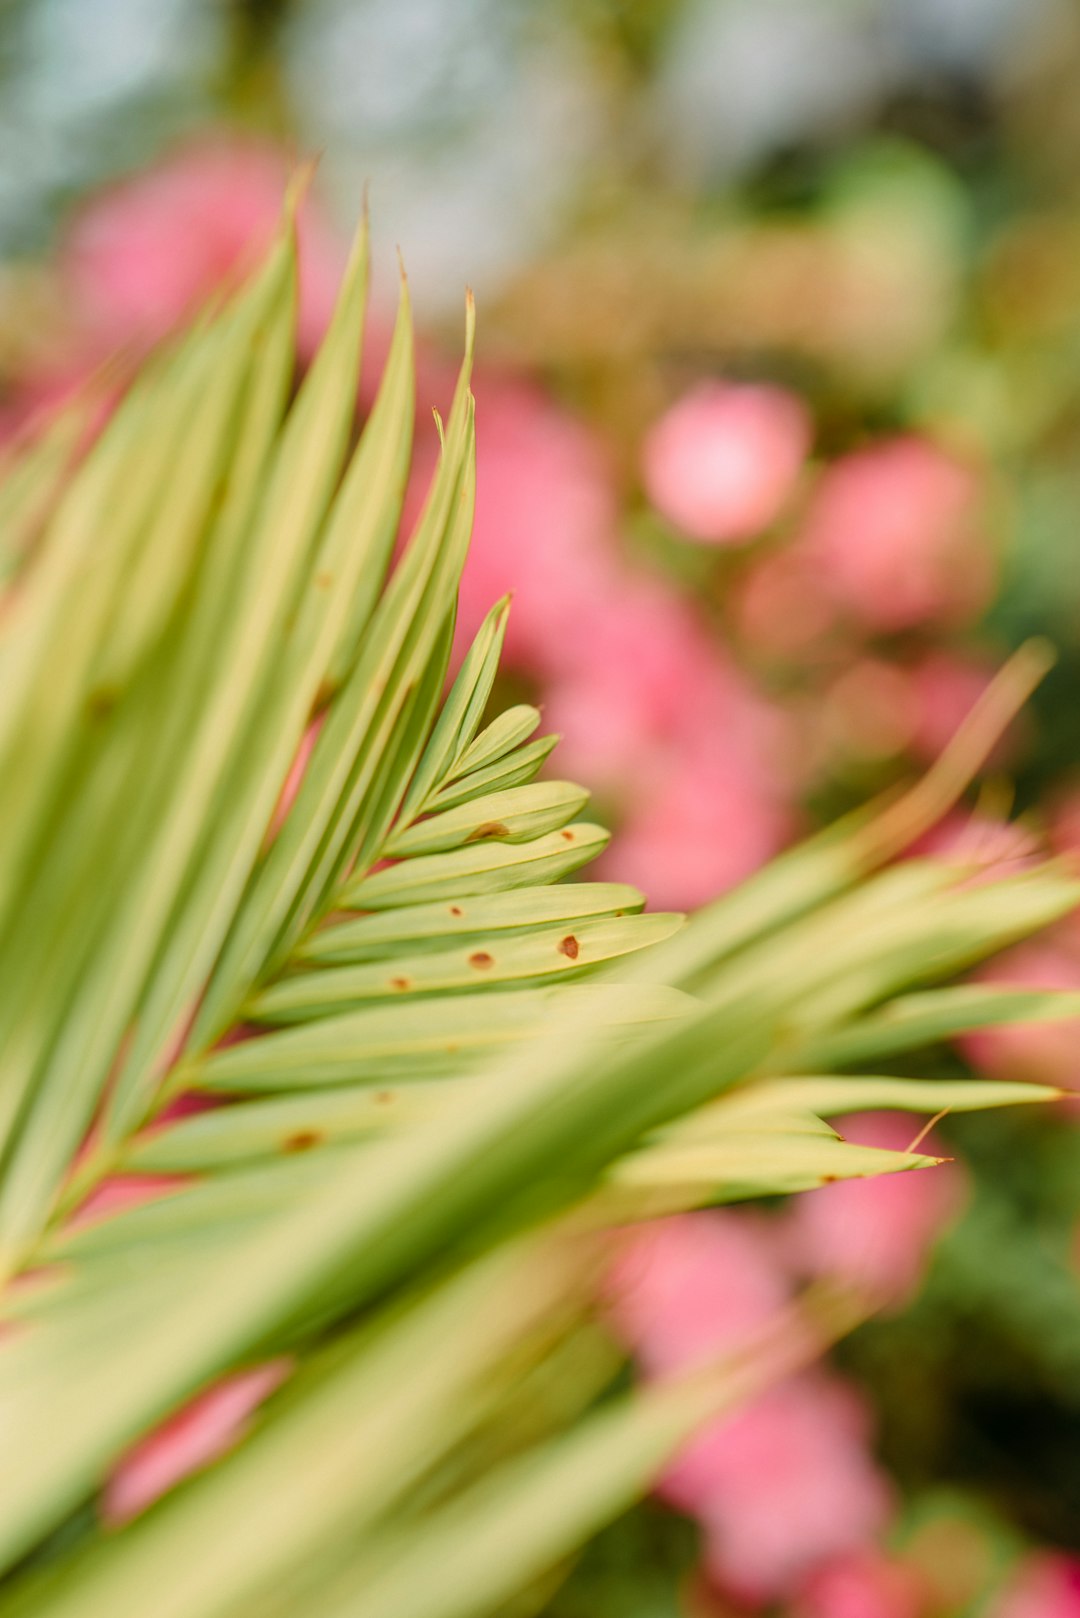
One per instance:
(699, 831)
(1046, 1053)
(651, 711)
(1045, 1586)
(867, 1584)
(875, 1234)
(684, 1289)
(141, 255)
(784, 1485)
(787, 1481)
(201, 1432)
(895, 530)
(648, 683)
(640, 677)
(724, 460)
(544, 529)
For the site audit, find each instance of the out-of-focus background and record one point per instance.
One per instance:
(779, 415)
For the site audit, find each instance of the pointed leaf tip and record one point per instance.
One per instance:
(358, 249)
(470, 325)
(297, 187)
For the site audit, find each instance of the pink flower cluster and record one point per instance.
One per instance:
(701, 767)
(660, 716)
(146, 254)
(142, 256)
(790, 1500)
(653, 714)
(891, 534)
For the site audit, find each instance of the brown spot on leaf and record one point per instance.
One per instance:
(490, 828)
(302, 1141)
(568, 836)
(384, 1097)
(400, 983)
(456, 910)
(829, 1179)
(481, 960)
(323, 581)
(100, 703)
(569, 947)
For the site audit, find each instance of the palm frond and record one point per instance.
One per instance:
(444, 1070)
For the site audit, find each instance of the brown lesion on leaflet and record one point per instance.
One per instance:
(490, 828)
(569, 947)
(303, 1140)
(100, 704)
(481, 960)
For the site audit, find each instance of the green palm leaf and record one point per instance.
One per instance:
(444, 1068)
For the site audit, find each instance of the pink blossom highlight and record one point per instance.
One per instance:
(723, 462)
(683, 1290)
(142, 255)
(711, 823)
(784, 1485)
(895, 530)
